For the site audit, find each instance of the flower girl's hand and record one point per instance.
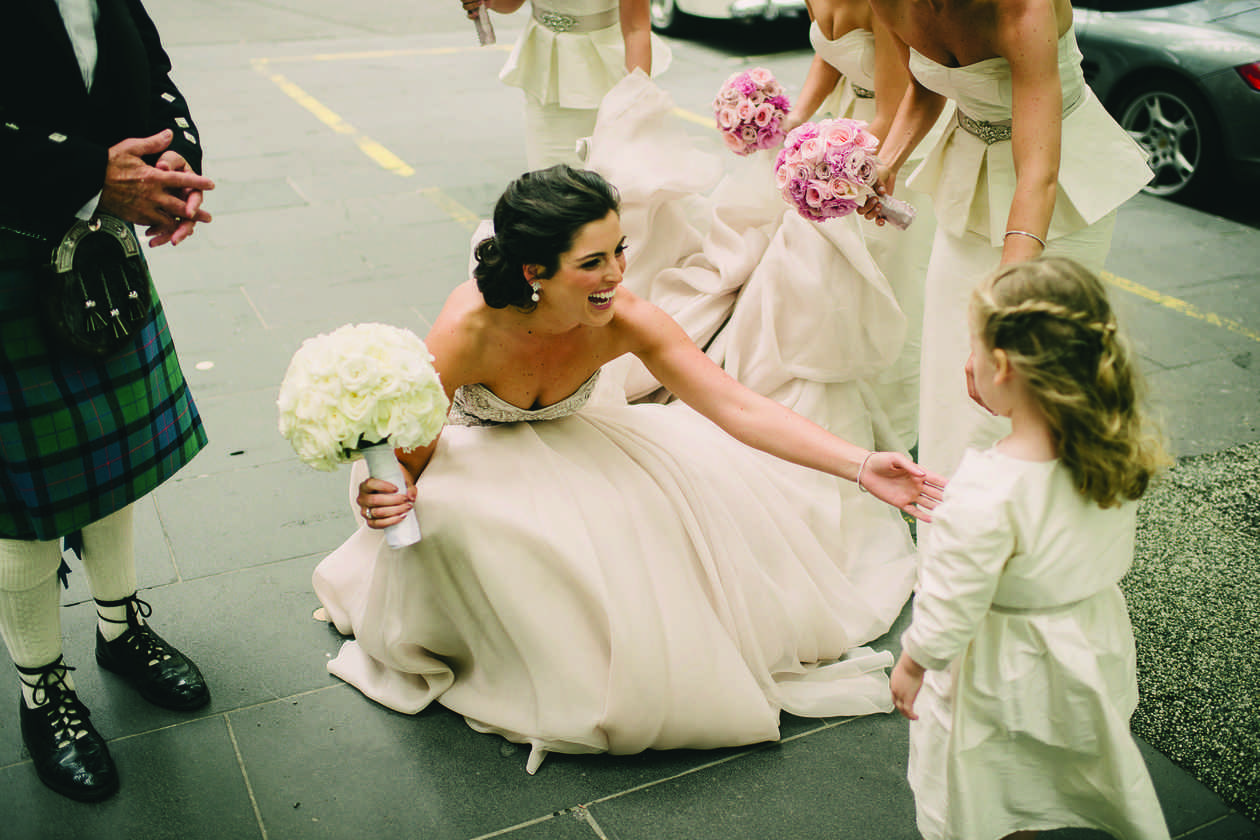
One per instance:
(380, 503)
(906, 680)
(893, 478)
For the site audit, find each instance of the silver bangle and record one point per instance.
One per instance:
(1025, 233)
(858, 480)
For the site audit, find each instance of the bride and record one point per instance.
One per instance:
(596, 576)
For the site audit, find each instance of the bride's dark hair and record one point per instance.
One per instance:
(535, 221)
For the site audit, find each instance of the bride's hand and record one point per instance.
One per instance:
(893, 478)
(380, 503)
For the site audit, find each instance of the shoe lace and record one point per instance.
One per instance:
(58, 702)
(147, 644)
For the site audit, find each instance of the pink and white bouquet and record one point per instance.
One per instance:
(749, 107)
(827, 170)
(362, 391)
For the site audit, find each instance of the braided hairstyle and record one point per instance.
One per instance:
(535, 222)
(1052, 318)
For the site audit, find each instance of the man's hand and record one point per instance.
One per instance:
(167, 197)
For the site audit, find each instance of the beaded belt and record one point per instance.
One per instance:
(996, 132)
(561, 22)
(989, 132)
(861, 92)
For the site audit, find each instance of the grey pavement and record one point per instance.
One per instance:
(312, 231)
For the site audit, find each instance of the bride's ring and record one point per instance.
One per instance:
(367, 513)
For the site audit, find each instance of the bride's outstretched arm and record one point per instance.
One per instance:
(764, 424)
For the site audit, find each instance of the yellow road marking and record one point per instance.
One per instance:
(691, 116)
(354, 56)
(469, 220)
(1178, 305)
(374, 150)
(453, 208)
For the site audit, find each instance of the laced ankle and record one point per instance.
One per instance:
(149, 646)
(137, 608)
(53, 698)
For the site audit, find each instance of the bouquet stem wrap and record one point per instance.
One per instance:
(895, 211)
(383, 464)
(485, 30)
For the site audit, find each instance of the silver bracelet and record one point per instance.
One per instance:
(1025, 233)
(868, 457)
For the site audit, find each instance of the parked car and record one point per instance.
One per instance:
(675, 16)
(1183, 79)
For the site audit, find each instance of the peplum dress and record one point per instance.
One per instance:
(901, 255)
(602, 577)
(570, 54)
(970, 174)
(1023, 717)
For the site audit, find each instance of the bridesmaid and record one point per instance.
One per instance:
(571, 53)
(843, 81)
(1002, 186)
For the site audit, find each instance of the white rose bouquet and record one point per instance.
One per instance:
(363, 390)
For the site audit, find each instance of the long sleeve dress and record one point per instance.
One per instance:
(1024, 711)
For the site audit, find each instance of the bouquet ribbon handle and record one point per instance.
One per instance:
(383, 464)
(895, 211)
(485, 29)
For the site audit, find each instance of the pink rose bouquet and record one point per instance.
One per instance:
(749, 107)
(827, 169)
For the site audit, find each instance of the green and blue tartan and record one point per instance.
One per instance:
(80, 438)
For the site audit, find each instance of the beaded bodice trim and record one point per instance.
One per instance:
(477, 405)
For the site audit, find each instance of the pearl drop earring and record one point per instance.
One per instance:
(537, 287)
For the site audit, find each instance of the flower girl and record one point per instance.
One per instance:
(1018, 669)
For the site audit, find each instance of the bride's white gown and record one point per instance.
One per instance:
(598, 576)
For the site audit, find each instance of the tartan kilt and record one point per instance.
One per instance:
(83, 438)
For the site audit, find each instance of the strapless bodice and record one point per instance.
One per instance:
(983, 89)
(853, 54)
(970, 170)
(477, 405)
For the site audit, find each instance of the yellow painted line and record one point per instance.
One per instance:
(453, 208)
(358, 56)
(691, 116)
(382, 156)
(1178, 305)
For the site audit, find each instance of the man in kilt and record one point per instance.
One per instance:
(90, 124)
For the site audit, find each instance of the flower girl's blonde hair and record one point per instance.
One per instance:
(1052, 318)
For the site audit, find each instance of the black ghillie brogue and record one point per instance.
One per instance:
(69, 755)
(162, 675)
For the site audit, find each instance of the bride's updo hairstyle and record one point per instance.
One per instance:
(535, 221)
(1052, 318)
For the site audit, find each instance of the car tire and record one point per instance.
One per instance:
(667, 18)
(1175, 128)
